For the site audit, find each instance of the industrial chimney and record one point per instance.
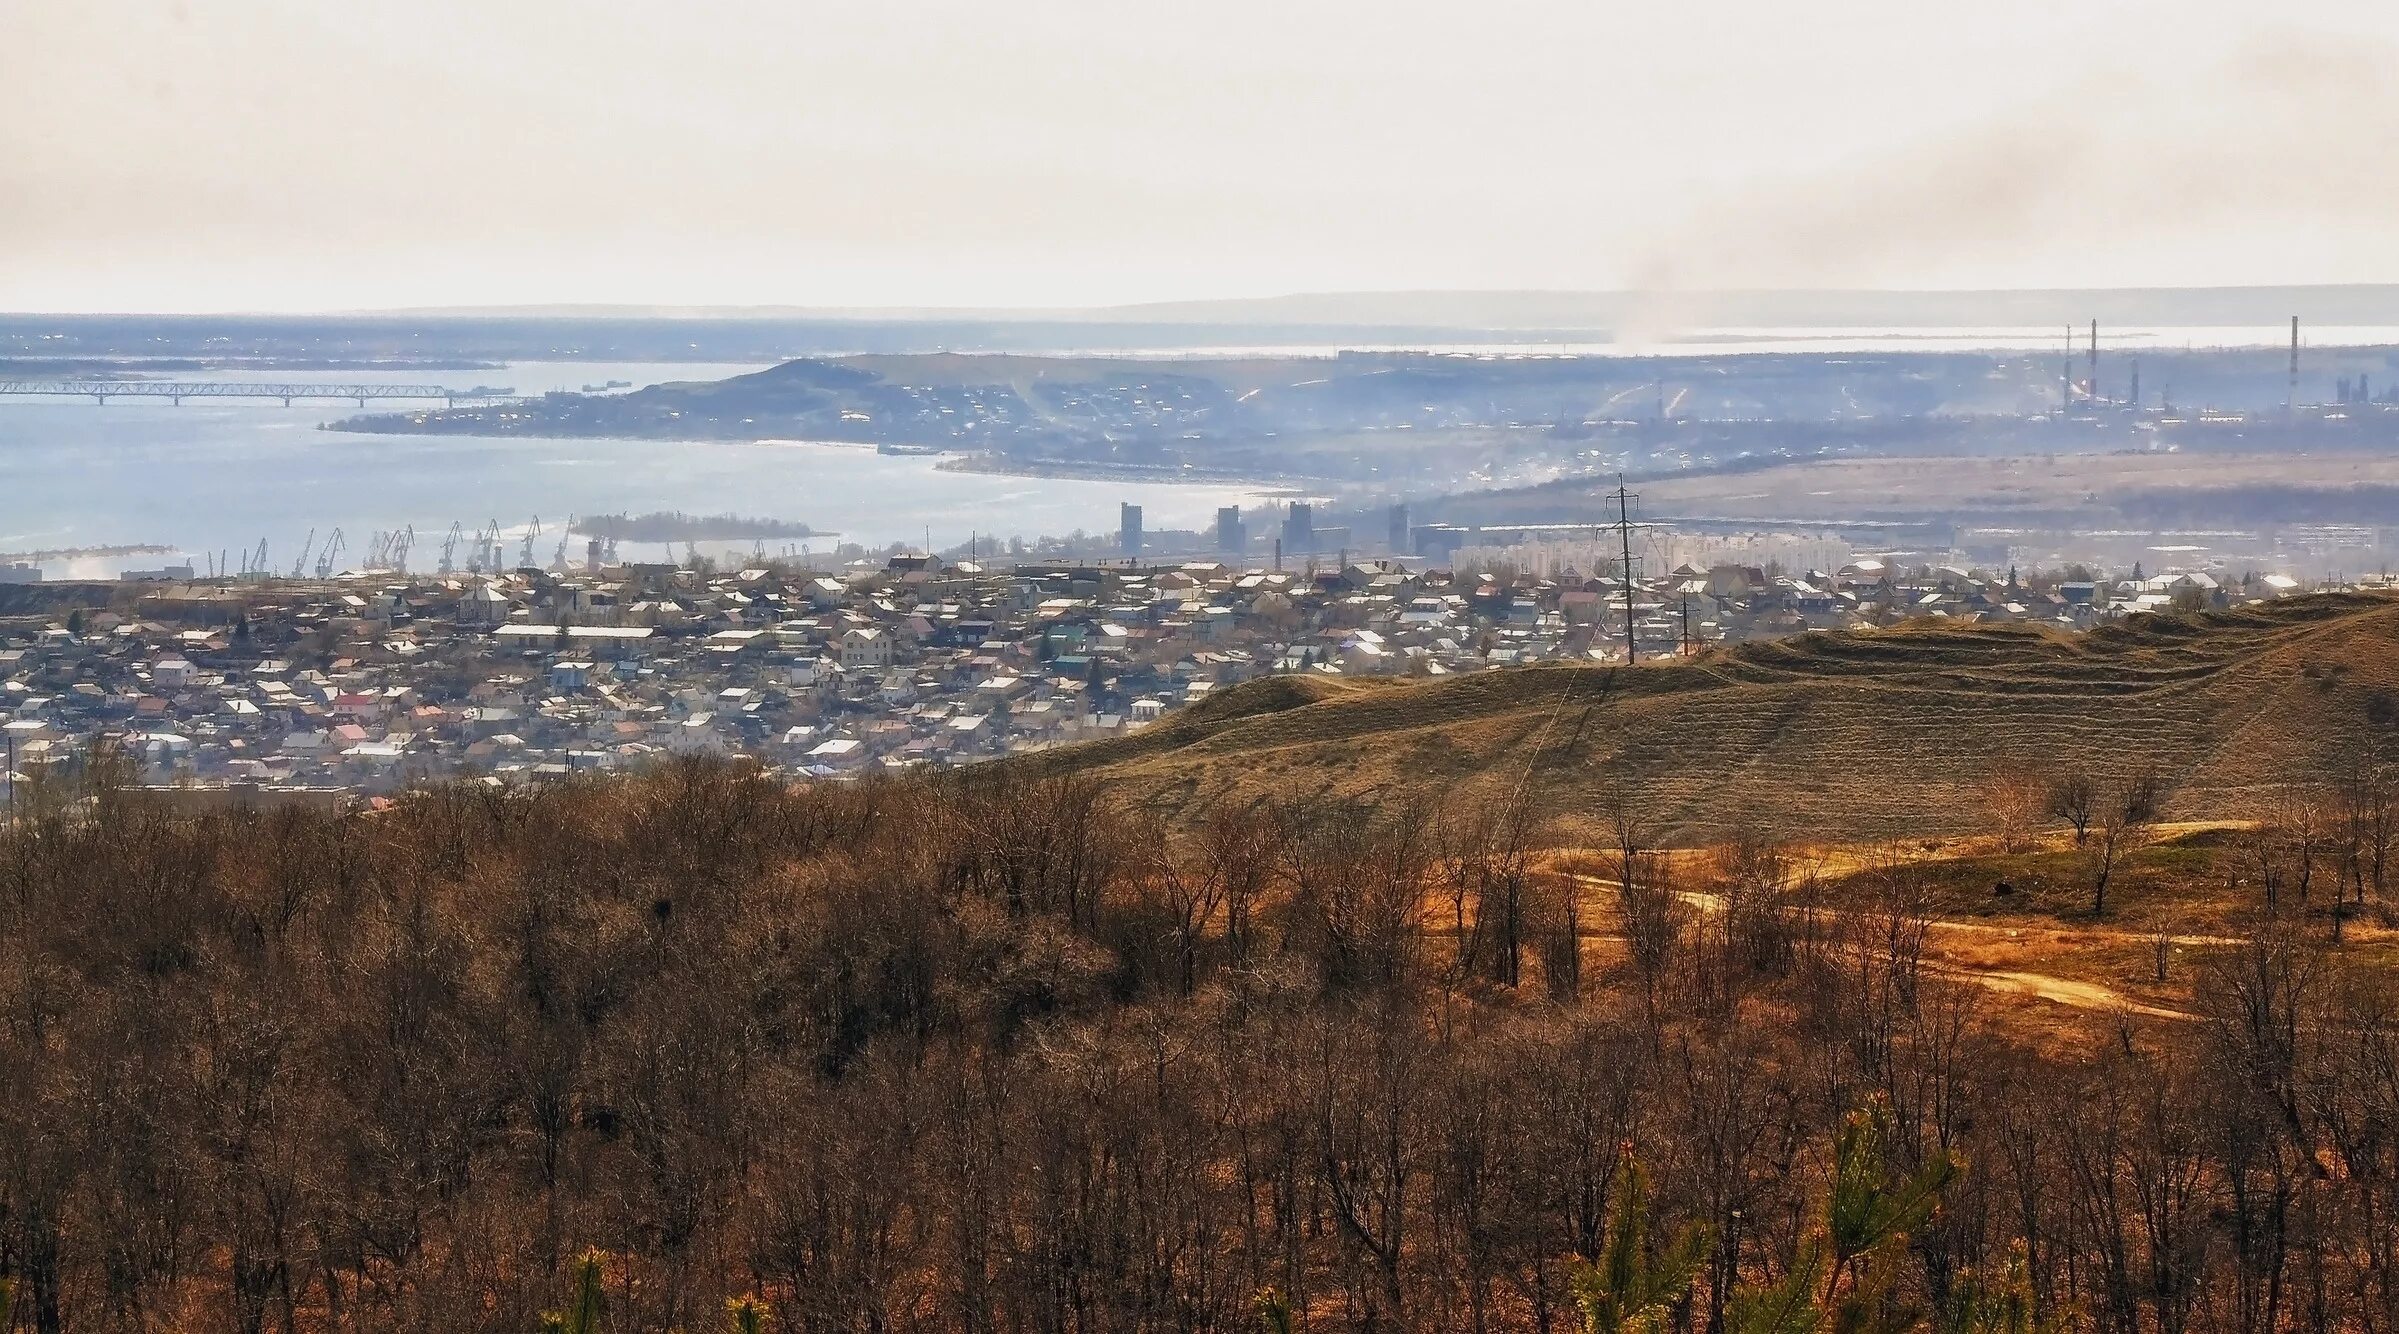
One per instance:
(2290, 402)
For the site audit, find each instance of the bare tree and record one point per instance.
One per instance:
(2366, 821)
(1188, 890)
(2125, 809)
(1357, 877)
(2307, 837)
(1752, 875)
(1238, 846)
(1484, 856)
(957, 1053)
(1653, 913)
(2019, 799)
(2075, 798)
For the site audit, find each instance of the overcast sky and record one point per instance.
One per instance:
(331, 154)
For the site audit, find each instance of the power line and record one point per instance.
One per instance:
(1624, 531)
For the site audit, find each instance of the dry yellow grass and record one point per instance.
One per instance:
(1824, 737)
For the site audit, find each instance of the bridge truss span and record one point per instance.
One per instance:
(175, 391)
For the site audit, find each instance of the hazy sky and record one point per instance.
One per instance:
(325, 154)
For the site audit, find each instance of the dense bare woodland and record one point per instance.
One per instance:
(987, 1055)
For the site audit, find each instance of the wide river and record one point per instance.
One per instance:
(219, 476)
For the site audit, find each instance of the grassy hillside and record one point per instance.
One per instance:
(1824, 735)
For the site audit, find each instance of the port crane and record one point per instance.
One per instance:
(485, 553)
(524, 555)
(449, 548)
(334, 546)
(565, 535)
(300, 566)
(258, 563)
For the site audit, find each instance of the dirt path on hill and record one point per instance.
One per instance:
(2066, 991)
(2058, 990)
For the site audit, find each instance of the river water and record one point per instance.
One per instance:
(219, 476)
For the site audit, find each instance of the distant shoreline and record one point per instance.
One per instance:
(997, 466)
(135, 368)
(944, 460)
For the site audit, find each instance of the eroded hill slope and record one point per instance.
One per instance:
(1826, 735)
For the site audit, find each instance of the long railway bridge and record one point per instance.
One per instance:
(175, 391)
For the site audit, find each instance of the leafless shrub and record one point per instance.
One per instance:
(2018, 800)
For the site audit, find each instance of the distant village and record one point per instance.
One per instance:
(328, 688)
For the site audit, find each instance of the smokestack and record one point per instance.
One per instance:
(2291, 402)
(2094, 363)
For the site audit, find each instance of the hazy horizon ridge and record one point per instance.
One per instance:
(2332, 303)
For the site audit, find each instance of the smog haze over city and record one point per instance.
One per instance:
(280, 156)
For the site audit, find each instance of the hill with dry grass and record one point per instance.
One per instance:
(1828, 735)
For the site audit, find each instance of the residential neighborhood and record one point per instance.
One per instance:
(367, 683)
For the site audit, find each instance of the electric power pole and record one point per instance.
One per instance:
(1624, 530)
